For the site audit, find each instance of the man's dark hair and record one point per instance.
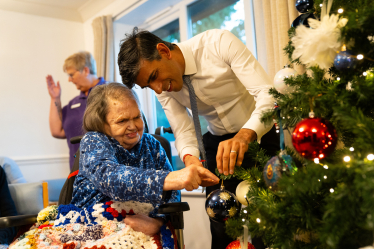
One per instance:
(137, 46)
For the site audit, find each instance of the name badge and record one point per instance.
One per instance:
(75, 105)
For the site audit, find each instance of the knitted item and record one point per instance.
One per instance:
(99, 226)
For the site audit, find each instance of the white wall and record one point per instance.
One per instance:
(30, 48)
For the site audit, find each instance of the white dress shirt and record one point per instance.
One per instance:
(230, 85)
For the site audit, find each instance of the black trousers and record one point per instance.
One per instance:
(269, 142)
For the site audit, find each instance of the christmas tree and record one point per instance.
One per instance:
(324, 198)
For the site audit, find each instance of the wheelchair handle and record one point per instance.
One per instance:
(76, 140)
(162, 130)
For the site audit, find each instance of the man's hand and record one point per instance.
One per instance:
(189, 160)
(231, 152)
(190, 178)
(53, 89)
(142, 223)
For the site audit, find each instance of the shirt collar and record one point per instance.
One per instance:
(82, 95)
(190, 64)
(101, 82)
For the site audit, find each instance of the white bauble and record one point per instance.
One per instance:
(241, 192)
(279, 80)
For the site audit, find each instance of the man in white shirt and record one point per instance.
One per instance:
(231, 89)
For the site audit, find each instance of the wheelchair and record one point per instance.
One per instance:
(173, 210)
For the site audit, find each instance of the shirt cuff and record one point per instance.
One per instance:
(255, 124)
(189, 150)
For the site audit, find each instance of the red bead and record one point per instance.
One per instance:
(314, 138)
(236, 245)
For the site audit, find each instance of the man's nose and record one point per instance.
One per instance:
(157, 87)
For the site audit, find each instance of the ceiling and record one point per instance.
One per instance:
(147, 10)
(70, 4)
(72, 10)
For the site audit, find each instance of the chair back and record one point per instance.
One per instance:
(66, 193)
(165, 144)
(54, 189)
(29, 198)
(12, 171)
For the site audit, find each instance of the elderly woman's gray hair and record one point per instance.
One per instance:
(94, 118)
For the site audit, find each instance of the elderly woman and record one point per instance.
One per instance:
(124, 175)
(118, 162)
(66, 122)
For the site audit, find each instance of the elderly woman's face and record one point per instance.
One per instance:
(124, 122)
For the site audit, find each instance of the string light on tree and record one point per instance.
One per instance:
(360, 57)
(325, 166)
(370, 157)
(347, 158)
(331, 190)
(258, 220)
(351, 149)
(365, 73)
(340, 10)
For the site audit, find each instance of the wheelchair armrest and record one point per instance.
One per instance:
(19, 220)
(173, 207)
(175, 211)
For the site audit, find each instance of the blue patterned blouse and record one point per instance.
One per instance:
(107, 172)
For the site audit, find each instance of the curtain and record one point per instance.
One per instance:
(104, 47)
(277, 17)
(273, 18)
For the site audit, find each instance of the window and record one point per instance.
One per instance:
(170, 33)
(218, 14)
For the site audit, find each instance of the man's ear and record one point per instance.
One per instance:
(163, 50)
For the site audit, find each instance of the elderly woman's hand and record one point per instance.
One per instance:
(190, 178)
(142, 223)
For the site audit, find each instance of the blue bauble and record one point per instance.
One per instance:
(344, 60)
(275, 167)
(304, 6)
(221, 205)
(303, 20)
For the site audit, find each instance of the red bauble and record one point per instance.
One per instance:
(236, 245)
(314, 138)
